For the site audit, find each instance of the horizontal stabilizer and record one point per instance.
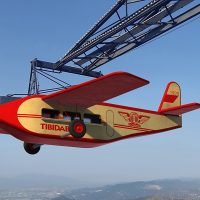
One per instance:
(97, 90)
(179, 110)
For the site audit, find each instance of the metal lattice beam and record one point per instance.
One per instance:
(101, 42)
(144, 38)
(122, 29)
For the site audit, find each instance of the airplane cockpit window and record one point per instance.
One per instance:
(87, 120)
(91, 118)
(69, 116)
(50, 113)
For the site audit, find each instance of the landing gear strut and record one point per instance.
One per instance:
(31, 148)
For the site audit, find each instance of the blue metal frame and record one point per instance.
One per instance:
(120, 30)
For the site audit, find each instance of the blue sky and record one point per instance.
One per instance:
(46, 30)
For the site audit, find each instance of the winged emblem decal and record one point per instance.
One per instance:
(134, 119)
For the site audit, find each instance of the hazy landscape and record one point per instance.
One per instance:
(39, 187)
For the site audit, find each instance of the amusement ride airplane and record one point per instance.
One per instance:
(78, 116)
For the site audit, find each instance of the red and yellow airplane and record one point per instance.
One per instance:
(78, 116)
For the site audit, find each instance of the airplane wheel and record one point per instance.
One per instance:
(77, 129)
(30, 149)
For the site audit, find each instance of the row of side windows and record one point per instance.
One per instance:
(69, 116)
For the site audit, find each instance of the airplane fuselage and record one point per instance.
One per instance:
(32, 120)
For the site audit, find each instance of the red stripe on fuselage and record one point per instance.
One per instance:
(29, 115)
(131, 127)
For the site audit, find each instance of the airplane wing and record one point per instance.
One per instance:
(97, 90)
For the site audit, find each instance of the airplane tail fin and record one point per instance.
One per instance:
(171, 97)
(171, 101)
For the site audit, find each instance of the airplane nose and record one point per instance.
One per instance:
(2, 113)
(7, 109)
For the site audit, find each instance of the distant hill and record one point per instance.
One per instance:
(62, 188)
(61, 198)
(151, 190)
(38, 181)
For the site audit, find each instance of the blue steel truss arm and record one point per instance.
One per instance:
(97, 25)
(39, 64)
(101, 41)
(112, 31)
(145, 38)
(128, 25)
(133, 33)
